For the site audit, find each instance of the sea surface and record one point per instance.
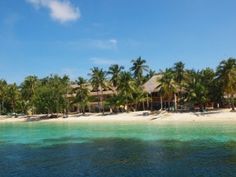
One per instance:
(62, 149)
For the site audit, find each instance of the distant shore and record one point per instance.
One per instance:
(223, 115)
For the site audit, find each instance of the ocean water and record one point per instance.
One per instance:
(36, 149)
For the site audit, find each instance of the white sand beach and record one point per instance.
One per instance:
(223, 115)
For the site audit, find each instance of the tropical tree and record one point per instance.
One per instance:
(139, 96)
(98, 81)
(3, 89)
(114, 103)
(226, 72)
(13, 95)
(82, 94)
(208, 80)
(28, 88)
(150, 74)
(138, 68)
(114, 71)
(179, 72)
(51, 95)
(197, 93)
(126, 88)
(179, 77)
(167, 87)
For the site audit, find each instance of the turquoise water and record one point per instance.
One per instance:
(117, 149)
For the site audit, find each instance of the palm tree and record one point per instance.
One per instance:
(65, 90)
(139, 96)
(208, 80)
(179, 75)
(125, 87)
(226, 73)
(98, 81)
(3, 87)
(197, 92)
(28, 89)
(82, 94)
(138, 68)
(114, 71)
(13, 96)
(179, 72)
(150, 74)
(167, 87)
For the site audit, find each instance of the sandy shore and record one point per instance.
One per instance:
(162, 117)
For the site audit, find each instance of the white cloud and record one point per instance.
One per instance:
(104, 44)
(102, 61)
(61, 11)
(97, 44)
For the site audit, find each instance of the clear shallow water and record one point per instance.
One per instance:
(106, 149)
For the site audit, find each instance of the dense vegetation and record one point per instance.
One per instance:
(187, 87)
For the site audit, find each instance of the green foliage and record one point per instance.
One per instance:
(138, 68)
(82, 94)
(226, 73)
(126, 87)
(114, 71)
(179, 72)
(51, 95)
(98, 82)
(3, 96)
(167, 84)
(197, 92)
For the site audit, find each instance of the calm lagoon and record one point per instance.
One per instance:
(33, 149)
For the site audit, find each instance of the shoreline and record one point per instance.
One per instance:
(216, 116)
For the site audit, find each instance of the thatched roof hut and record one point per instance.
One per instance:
(152, 84)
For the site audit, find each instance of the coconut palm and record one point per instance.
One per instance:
(179, 75)
(226, 72)
(126, 88)
(197, 92)
(179, 72)
(3, 87)
(98, 81)
(82, 93)
(138, 68)
(149, 74)
(13, 96)
(139, 96)
(28, 89)
(114, 71)
(167, 87)
(208, 80)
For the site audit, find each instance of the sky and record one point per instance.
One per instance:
(42, 37)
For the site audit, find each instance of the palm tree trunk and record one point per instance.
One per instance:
(136, 106)
(99, 99)
(151, 102)
(83, 110)
(102, 103)
(1, 108)
(126, 104)
(232, 103)
(161, 103)
(175, 97)
(168, 104)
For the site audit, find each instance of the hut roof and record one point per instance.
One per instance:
(151, 84)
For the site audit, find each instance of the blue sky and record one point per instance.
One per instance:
(40, 37)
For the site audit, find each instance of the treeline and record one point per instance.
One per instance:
(188, 87)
